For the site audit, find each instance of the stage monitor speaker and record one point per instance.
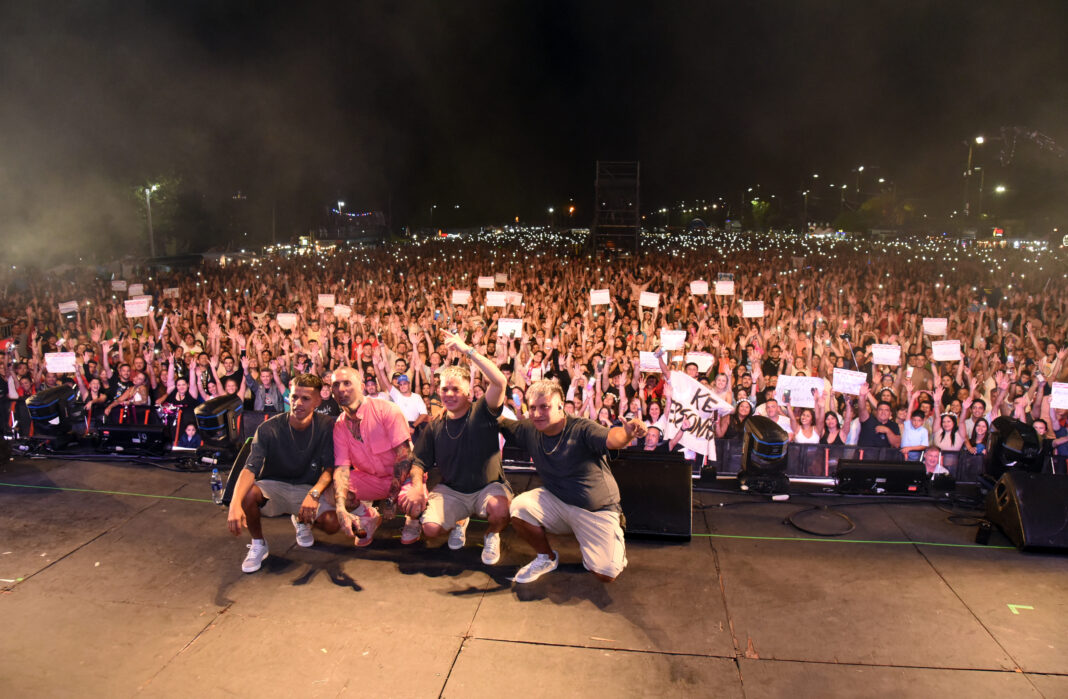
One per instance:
(881, 477)
(142, 438)
(235, 471)
(217, 422)
(1032, 510)
(655, 491)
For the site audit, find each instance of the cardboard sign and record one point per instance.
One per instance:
(703, 360)
(799, 389)
(946, 351)
(485, 282)
(170, 293)
(461, 297)
(496, 298)
(342, 311)
(846, 381)
(1059, 396)
(135, 290)
(118, 285)
(513, 297)
(59, 362)
(500, 278)
(725, 288)
(648, 363)
(935, 326)
(887, 355)
(510, 327)
(68, 307)
(286, 321)
(699, 287)
(327, 301)
(725, 277)
(137, 308)
(752, 309)
(600, 297)
(649, 299)
(694, 411)
(672, 339)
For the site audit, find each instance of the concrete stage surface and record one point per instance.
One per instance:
(120, 580)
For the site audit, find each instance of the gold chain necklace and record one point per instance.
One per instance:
(559, 441)
(449, 434)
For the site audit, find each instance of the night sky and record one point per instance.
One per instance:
(501, 107)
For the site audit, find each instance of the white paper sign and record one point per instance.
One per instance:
(496, 298)
(703, 360)
(648, 363)
(600, 297)
(694, 406)
(137, 308)
(59, 362)
(286, 321)
(510, 327)
(934, 326)
(799, 262)
(500, 278)
(800, 390)
(946, 351)
(327, 301)
(725, 288)
(485, 282)
(846, 381)
(699, 287)
(118, 285)
(752, 309)
(1059, 396)
(888, 355)
(135, 290)
(342, 311)
(170, 293)
(513, 297)
(672, 339)
(68, 307)
(461, 297)
(649, 299)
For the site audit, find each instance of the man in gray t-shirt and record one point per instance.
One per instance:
(579, 494)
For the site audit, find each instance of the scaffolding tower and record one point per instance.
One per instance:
(617, 220)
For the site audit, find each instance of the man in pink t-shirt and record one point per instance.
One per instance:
(373, 459)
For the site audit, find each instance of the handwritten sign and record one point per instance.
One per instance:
(500, 278)
(934, 326)
(694, 406)
(799, 262)
(699, 287)
(327, 301)
(510, 327)
(342, 311)
(648, 363)
(59, 362)
(946, 351)
(68, 307)
(496, 298)
(1059, 396)
(600, 297)
(118, 285)
(725, 288)
(513, 297)
(171, 292)
(649, 299)
(461, 297)
(703, 360)
(752, 309)
(485, 282)
(887, 355)
(135, 290)
(286, 321)
(725, 277)
(849, 382)
(672, 339)
(796, 391)
(137, 308)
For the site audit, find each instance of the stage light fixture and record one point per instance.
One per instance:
(764, 446)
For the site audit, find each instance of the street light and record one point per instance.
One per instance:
(1000, 189)
(148, 204)
(977, 141)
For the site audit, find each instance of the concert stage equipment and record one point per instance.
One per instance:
(53, 413)
(1031, 509)
(141, 438)
(764, 456)
(218, 423)
(1015, 446)
(655, 491)
(881, 477)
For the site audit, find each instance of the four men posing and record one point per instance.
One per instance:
(366, 455)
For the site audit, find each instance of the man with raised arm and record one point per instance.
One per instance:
(288, 469)
(373, 461)
(463, 444)
(579, 494)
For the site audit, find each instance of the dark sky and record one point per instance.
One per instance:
(501, 107)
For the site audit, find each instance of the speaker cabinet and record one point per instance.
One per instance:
(655, 491)
(1032, 510)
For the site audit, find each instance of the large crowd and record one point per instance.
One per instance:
(247, 326)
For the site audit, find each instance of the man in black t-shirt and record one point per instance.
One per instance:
(464, 446)
(578, 494)
(290, 465)
(880, 429)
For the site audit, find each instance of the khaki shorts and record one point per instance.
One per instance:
(445, 506)
(600, 538)
(285, 498)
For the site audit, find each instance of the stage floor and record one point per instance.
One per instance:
(121, 580)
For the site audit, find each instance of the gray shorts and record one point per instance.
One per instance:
(285, 498)
(445, 506)
(600, 538)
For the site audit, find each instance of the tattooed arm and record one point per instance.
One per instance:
(404, 468)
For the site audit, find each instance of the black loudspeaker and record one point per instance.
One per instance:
(235, 471)
(655, 491)
(1015, 446)
(217, 422)
(1032, 510)
(881, 477)
(141, 438)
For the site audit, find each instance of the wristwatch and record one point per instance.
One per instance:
(314, 493)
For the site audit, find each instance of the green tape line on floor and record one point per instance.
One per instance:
(851, 541)
(102, 492)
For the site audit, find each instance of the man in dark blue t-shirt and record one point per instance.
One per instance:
(878, 430)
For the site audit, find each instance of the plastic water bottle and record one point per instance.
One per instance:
(216, 487)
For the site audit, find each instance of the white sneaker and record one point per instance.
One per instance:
(491, 548)
(257, 551)
(458, 535)
(541, 565)
(368, 524)
(305, 537)
(411, 531)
